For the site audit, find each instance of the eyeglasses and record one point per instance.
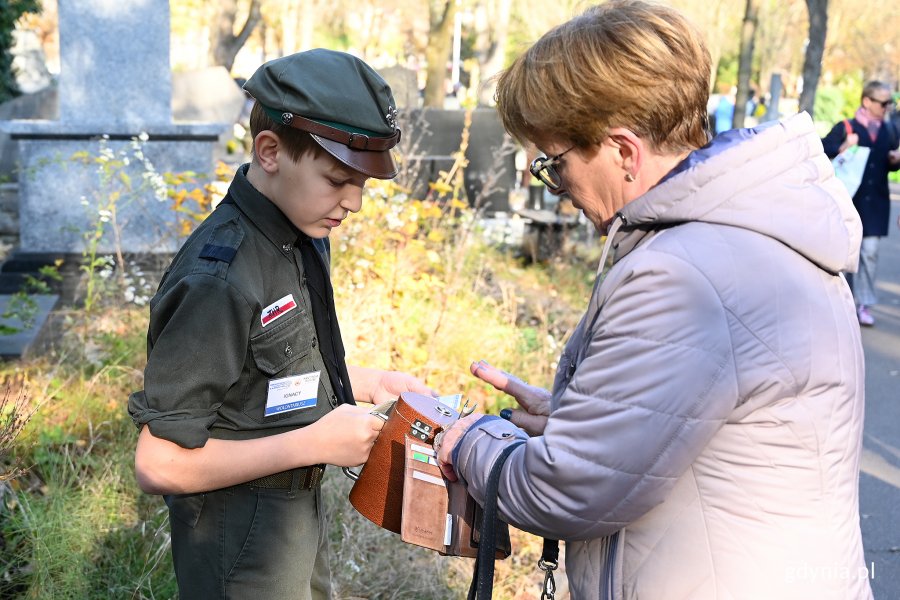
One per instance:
(883, 103)
(544, 168)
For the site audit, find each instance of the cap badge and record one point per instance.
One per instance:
(286, 118)
(391, 116)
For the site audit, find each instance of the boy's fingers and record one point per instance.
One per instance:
(418, 386)
(376, 422)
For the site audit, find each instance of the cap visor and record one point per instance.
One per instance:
(379, 165)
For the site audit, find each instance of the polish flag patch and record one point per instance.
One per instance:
(277, 309)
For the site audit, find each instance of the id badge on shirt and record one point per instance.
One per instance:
(292, 393)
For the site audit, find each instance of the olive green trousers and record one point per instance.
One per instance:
(249, 542)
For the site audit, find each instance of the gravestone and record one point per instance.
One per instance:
(91, 181)
(435, 134)
(208, 94)
(114, 101)
(404, 85)
(18, 336)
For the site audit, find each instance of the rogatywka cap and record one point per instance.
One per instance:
(337, 98)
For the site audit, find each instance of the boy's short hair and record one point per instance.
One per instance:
(333, 98)
(298, 143)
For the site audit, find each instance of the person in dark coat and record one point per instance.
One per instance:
(873, 129)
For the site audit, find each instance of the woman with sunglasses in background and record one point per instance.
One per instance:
(703, 434)
(871, 127)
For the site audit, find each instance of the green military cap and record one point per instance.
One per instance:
(340, 100)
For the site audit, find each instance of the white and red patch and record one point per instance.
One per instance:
(278, 309)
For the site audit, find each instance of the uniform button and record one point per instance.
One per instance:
(288, 350)
(333, 400)
(314, 342)
(286, 247)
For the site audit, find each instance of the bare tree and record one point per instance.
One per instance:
(862, 42)
(442, 14)
(493, 31)
(718, 21)
(815, 48)
(745, 62)
(224, 44)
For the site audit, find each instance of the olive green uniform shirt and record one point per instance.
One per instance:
(211, 353)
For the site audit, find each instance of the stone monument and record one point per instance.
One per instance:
(92, 180)
(115, 101)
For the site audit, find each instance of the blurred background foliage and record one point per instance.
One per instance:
(477, 38)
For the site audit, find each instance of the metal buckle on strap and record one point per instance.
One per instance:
(307, 478)
(358, 141)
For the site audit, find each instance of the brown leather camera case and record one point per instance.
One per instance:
(378, 493)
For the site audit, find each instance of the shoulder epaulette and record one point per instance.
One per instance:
(220, 248)
(222, 253)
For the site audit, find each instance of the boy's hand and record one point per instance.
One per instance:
(534, 400)
(392, 383)
(347, 435)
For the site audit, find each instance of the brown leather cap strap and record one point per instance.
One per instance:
(356, 141)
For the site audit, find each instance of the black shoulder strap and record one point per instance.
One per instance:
(482, 586)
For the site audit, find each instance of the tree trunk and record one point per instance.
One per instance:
(493, 50)
(745, 62)
(224, 44)
(442, 14)
(306, 18)
(815, 49)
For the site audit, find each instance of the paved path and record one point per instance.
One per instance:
(880, 478)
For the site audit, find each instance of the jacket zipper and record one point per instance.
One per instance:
(606, 582)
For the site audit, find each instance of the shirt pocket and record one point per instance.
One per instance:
(275, 351)
(286, 350)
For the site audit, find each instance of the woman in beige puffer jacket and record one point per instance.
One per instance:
(703, 434)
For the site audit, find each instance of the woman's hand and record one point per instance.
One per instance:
(851, 140)
(445, 442)
(894, 157)
(535, 401)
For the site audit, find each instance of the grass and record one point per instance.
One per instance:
(416, 290)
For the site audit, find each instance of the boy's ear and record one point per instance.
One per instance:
(266, 147)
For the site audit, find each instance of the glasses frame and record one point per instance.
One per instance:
(544, 168)
(884, 103)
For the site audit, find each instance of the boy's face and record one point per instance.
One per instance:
(316, 193)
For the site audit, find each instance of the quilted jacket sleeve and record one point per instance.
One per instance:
(655, 384)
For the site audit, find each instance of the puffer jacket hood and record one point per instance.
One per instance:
(731, 180)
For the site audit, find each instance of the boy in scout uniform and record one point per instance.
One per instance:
(246, 393)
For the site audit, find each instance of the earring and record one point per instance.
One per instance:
(629, 177)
